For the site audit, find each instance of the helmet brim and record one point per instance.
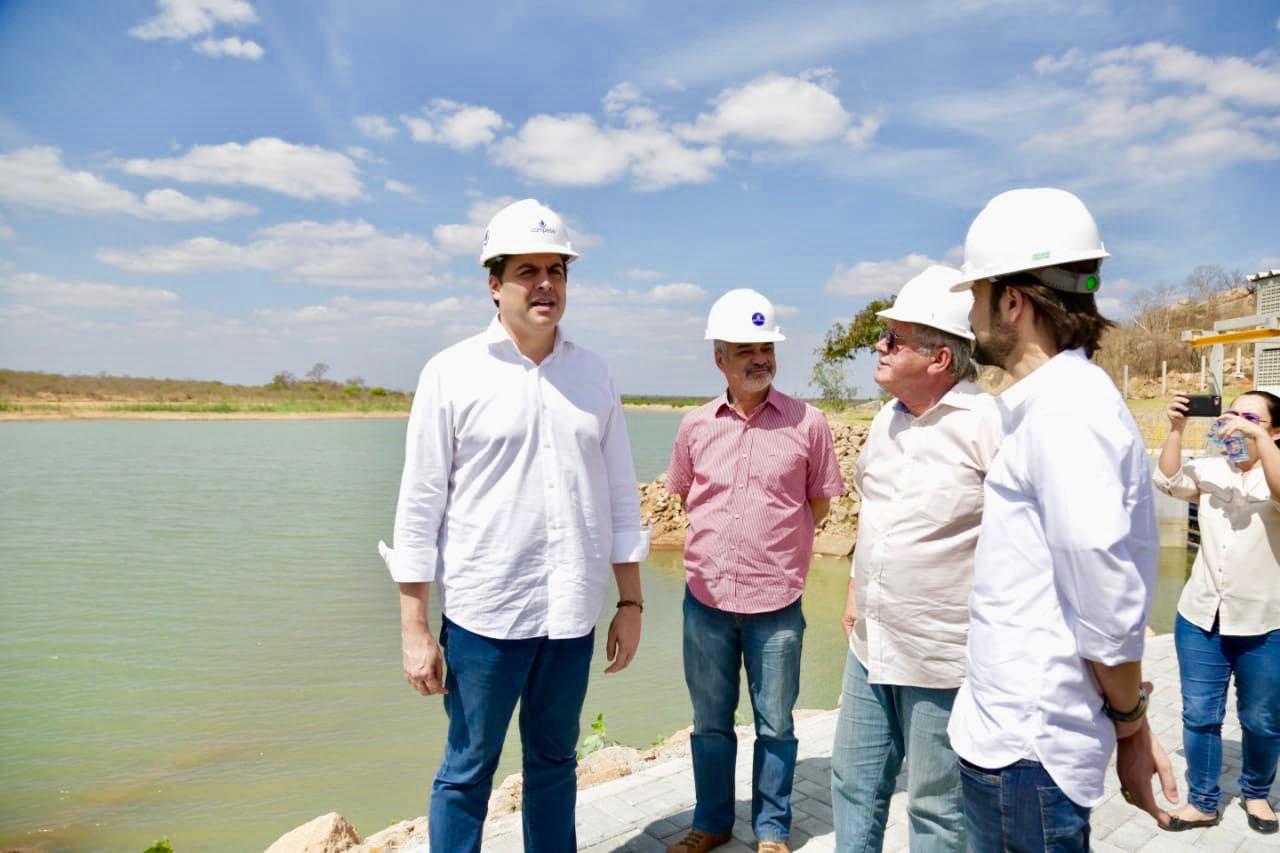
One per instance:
(565, 252)
(762, 338)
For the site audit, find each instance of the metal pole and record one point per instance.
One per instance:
(1239, 364)
(1215, 366)
(1164, 379)
(1204, 366)
(1126, 382)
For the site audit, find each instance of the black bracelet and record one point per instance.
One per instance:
(1127, 716)
(626, 602)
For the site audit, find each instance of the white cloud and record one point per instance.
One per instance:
(36, 177)
(230, 46)
(33, 289)
(345, 312)
(299, 171)
(785, 310)
(182, 19)
(341, 253)
(398, 188)
(861, 134)
(678, 292)
(460, 126)
(1049, 64)
(799, 110)
(1156, 112)
(376, 127)
(6, 230)
(364, 155)
(465, 238)
(642, 274)
(876, 278)
(573, 150)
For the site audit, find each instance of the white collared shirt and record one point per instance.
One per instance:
(921, 484)
(1236, 576)
(1064, 574)
(519, 490)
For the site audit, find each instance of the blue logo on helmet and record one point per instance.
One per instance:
(757, 319)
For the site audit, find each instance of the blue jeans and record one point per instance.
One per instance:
(879, 725)
(485, 679)
(1206, 660)
(716, 644)
(1020, 809)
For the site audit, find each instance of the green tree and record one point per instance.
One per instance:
(843, 342)
(831, 381)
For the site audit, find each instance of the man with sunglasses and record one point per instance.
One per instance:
(920, 476)
(1068, 549)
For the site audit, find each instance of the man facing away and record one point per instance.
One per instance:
(756, 471)
(518, 492)
(920, 475)
(1067, 552)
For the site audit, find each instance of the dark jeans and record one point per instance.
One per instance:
(717, 644)
(485, 679)
(1020, 809)
(1206, 661)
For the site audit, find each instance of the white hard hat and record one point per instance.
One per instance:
(743, 316)
(928, 299)
(525, 227)
(1033, 230)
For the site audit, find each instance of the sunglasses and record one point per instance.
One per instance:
(1248, 416)
(892, 340)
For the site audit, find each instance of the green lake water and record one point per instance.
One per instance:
(198, 640)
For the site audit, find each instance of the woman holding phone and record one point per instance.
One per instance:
(1229, 613)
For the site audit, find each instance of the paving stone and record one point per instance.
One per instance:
(1131, 835)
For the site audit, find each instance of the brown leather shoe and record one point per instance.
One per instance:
(697, 841)
(772, 847)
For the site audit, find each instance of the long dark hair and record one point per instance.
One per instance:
(1273, 406)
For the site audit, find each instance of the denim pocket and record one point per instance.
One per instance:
(1065, 824)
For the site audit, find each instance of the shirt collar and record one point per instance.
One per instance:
(963, 395)
(496, 335)
(1042, 377)
(773, 398)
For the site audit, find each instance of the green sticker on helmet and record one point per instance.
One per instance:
(1040, 256)
(1091, 284)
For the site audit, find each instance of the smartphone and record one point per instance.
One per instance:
(1204, 405)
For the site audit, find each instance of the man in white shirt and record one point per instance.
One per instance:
(518, 492)
(1067, 553)
(920, 475)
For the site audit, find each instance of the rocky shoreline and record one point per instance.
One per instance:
(332, 833)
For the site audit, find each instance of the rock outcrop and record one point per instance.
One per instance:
(835, 536)
(329, 833)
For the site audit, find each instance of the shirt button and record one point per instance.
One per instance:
(744, 456)
(737, 516)
(733, 547)
(740, 485)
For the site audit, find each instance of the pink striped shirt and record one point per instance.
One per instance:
(747, 483)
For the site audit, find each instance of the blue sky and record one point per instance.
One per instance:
(229, 188)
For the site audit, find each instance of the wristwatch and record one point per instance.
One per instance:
(1127, 716)
(626, 602)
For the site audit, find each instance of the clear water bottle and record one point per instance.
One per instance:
(1235, 446)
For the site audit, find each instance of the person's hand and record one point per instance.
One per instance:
(624, 638)
(850, 617)
(1139, 756)
(1232, 424)
(1177, 412)
(423, 662)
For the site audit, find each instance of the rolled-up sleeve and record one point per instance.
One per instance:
(1183, 485)
(1082, 476)
(630, 538)
(424, 485)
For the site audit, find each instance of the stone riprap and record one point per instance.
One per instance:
(653, 806)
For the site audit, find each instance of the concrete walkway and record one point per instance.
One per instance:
(652, 808)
